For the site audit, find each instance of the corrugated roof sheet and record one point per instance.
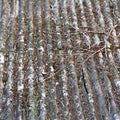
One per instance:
(60, 60)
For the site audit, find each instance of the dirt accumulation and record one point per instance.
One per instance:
(59, 60)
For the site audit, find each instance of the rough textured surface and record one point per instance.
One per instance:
(59, 59)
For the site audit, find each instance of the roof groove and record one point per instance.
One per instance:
(63, 77)
(30, 49)
(51, 83)
(40, 52)
(8, 97)
(20, 73)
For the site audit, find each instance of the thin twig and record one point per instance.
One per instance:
(87, 57)
(102, 47)
(93, 54)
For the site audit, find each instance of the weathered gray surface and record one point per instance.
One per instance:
(59, 60)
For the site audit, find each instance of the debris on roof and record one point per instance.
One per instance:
(60, 60)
